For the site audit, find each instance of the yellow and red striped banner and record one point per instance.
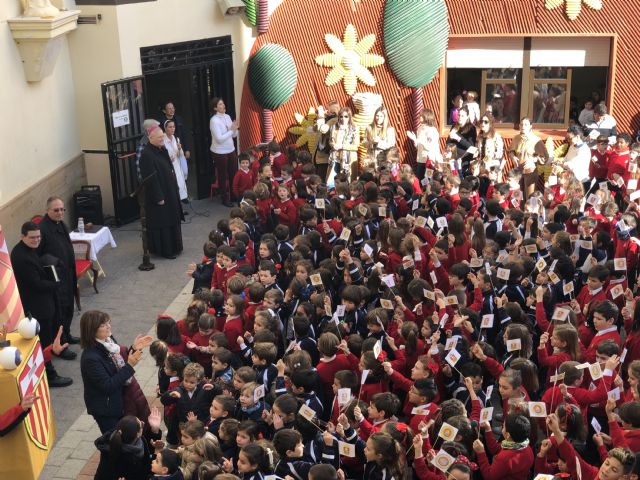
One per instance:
(10, 305)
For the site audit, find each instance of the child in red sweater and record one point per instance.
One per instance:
(244, 178)
(618, 464)
(331, 361)
(233, 327)
(513, 458)
(604, 321)
(284, 208)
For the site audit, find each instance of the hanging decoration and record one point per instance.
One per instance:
(415, 30)
(272, 77)
(350, 60)
(263, 16)
(572, 7)
(307, 135)
(251, 11)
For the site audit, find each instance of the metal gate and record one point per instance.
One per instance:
(123, 104)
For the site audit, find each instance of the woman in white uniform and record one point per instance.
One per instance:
(172, 144)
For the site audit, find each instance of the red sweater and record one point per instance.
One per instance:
(233, 329)
(507, 464)
(569, 455)
(619, 163)
(551, 360)
(599, 164)
(277, 163)
(590, 352)
(579, 396)
(288, 215)
(327, 368)
(264, 210)
(624, 438)
(242, 181)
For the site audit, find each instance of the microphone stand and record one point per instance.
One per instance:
(139, 194)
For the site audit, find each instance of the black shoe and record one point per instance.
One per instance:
(67, 354)
(227, 203)
(169, 257)
(185, 201)
(72, 340)
(185, 213)
(56, 381)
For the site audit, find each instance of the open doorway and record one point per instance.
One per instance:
(190, 74)
(174, 86)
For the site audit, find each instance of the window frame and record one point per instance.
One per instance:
(495, 81)
(567, 100)
(527, 81)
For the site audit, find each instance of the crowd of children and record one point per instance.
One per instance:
(397, 328)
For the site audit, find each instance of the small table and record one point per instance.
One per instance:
(98, 236)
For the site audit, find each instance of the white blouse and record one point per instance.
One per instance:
(221, 134)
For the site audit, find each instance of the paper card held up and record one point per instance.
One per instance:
(447, 432)
(452, 357)
(487, 320)
(344, 396)
(537, 409)
(486, 414)
(347, 449)
(386, 304)
(514, 345)
(503, 273)
(442, 461)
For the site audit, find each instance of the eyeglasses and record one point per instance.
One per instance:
(59, 209)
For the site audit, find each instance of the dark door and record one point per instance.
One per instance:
(123, 104)
(208, 82)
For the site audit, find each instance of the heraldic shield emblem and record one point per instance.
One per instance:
(32, 378)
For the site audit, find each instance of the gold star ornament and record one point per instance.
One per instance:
(304, 130)
(350, 60)
(573, 7)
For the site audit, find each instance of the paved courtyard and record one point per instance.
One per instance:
(133, 299)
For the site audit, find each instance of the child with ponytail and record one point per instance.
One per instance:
(565, 347)
(255, 462)
(384, 458)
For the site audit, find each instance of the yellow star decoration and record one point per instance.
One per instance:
(350, 60)
(573, 7)
(307, 136)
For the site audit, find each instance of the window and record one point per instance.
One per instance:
(548, 79)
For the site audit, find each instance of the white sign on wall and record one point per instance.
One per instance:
(120, 118)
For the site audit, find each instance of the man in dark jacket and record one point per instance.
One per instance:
(56, 242)
(37, 289)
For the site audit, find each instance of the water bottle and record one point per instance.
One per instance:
(81, 225)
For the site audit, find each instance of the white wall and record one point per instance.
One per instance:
(172, 21)
(38, 122)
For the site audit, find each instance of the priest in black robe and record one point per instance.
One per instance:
(162, 200)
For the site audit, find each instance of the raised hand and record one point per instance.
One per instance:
(478, 446)
(191, 417)
(154, 419)
(57, 347)
(134, 357)
(28, 400)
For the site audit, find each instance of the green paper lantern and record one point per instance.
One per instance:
(272, 76)
(251, 11)
(416, 34)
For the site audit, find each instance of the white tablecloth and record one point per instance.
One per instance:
(98, 240)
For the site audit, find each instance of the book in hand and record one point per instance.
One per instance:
(53, 274)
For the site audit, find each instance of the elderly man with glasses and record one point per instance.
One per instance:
(56, 243)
